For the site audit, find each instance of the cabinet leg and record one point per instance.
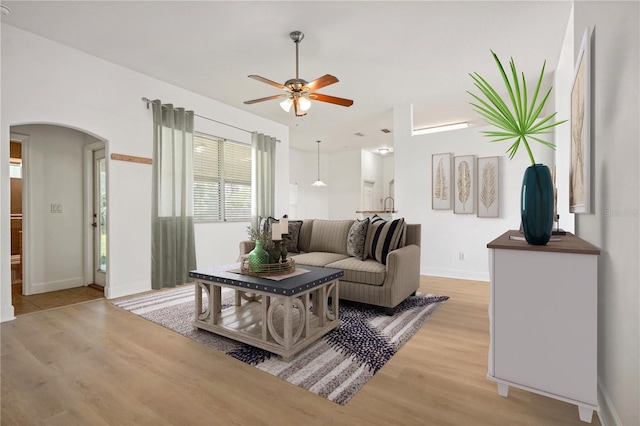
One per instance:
(503, 390)
(585, 414)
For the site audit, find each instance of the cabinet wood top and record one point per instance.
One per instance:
(568, 243)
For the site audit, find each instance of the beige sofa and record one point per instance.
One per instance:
(324, 243)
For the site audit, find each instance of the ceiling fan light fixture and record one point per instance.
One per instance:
(304, 103)
(300, 92)
(286, 104)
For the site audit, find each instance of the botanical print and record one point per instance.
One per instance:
(441, 181)
(579, 174)
(464, 201)
(441, 189)
(488, 187)
(464, 183)
(576, 188)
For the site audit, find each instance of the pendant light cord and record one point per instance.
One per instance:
(318, 160)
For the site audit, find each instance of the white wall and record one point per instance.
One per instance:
(614, 225)
(46, 82)
(372, 170)
(53, 166)
(313, 202)
(445, 234)
(345, 184)
(388, 174)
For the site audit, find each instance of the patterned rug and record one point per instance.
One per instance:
(335, 367)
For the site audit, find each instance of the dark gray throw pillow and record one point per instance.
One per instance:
(294, 233)
(357, 239)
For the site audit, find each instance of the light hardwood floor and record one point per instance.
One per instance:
(53, 299)
(95, 364)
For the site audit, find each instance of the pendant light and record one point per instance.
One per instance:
(318, 182)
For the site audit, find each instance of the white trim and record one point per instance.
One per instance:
(88, 209)
(45, 287)
(455, 273)
(26, 219)
(608, 415)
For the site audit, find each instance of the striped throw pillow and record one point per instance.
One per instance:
(384, 237)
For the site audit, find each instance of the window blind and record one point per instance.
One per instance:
(222, 180)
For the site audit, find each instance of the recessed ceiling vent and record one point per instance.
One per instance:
(385, 130)
(359, 134)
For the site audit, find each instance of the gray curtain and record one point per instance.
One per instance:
(263, 176)
(173, 250)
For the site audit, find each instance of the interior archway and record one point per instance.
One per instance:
(58, 239)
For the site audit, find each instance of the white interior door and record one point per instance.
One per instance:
(367, 196)
(99, 218)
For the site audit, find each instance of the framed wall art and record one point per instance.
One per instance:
(441, 181)
(579, 173)
(488, 186)
(464, 189)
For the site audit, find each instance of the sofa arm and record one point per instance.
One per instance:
(245, 248)
(403, 272)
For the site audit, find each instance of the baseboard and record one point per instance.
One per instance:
(45, 287)
(454, 273)
(608, 415)
(7, 313)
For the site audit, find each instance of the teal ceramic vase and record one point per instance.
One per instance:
(536, 203)
(258, 257)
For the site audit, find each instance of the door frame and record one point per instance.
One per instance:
(88, 212)
(26, 276)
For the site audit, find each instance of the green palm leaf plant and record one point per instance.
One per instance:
(522, 122)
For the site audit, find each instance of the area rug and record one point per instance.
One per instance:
(335, 367)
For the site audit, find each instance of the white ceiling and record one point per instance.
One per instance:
(385, 53)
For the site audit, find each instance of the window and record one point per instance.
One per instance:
(221, 180)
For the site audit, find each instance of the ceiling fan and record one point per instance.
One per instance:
(300, 93)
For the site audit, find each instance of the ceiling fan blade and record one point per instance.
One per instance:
(319, 83)
(271, 82)
(268, 98)
(331, 99)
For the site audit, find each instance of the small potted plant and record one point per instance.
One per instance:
(522, 124)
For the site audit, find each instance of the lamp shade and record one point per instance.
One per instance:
(286, 104)
(304, 103)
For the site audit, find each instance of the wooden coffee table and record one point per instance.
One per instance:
(281, 316)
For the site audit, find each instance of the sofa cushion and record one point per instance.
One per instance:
(293, 231)
(367, 272)
(318, 258)
(330, 236)
(384, 237)
(356, 241)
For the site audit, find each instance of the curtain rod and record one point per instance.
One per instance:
(148, 101)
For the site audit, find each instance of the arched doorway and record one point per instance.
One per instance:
(64, 202)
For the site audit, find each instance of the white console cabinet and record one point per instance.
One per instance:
(543, 318)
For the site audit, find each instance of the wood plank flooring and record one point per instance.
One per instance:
(53, 299)
(95, 364)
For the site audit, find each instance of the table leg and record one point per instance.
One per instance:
(321, 303)
(307, 313)
(266, 301)
(198, 290)
(287, 323)
(215, 302)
